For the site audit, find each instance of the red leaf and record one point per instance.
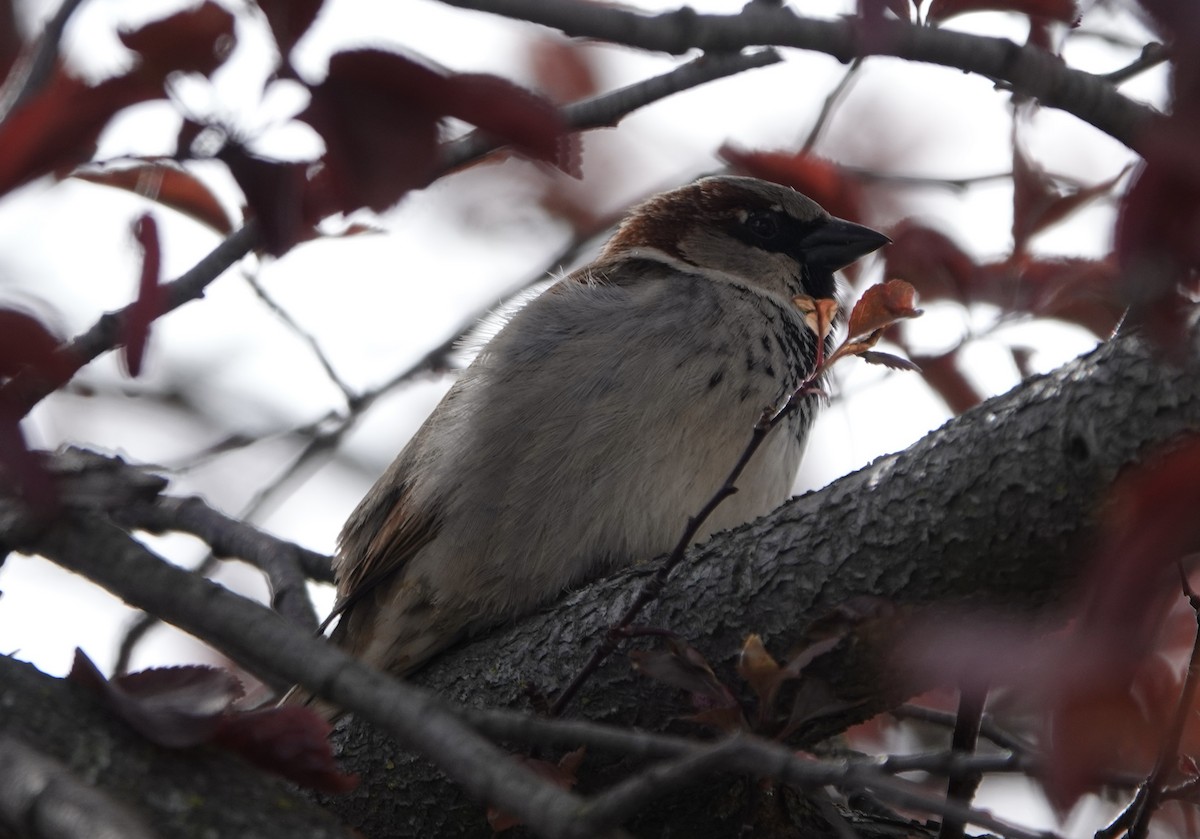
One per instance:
(1065, 11)
(25, 342)
(822, 181)
(292, 742)
(21, 471)
(168, 185)
(58, 128)
(758, 669)
(1150, 523)
(149, 303)
(289, 20)
(1156, 244)
(1039, 203)
(196, 40)
(171, 706)
(1083, 291)
(378, 114)
(279, 195)
(682, 666)
(564, 69)
(500, 108)
(881, 306)
(936, 266)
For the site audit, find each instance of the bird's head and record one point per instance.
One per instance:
(755, 233)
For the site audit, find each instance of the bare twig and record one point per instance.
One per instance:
(285, 564)
(31, 385)
(654, 586)
(40, 796)
(1150, 795)
(607, 109)
(624, 800)
(1152, 55)
(831, 101)
(822, 314)
(267, 644)
(961, 787)
(300, 332)
(988, 727)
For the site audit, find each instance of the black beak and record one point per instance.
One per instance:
(837, 243)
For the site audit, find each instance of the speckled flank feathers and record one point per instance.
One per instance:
(603, 415)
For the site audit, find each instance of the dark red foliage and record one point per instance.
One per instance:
(291, 741)
(196, 40)
(150, 299)
(280, 196)
(1104, 692)
(380, 113)
(58, 127)
(171, 186)
(819, 179)
(1158, 226)
(289, 20)
(1038, 202)
(180, 707)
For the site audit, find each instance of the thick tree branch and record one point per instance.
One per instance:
(993, 509)
(267, 644)
(1030, 71)
(179, 793)
(286, 564)
(39, 794)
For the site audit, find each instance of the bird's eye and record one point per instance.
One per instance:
(763, 225)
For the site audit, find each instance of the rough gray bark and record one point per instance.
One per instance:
(995, 508)
(200, 792)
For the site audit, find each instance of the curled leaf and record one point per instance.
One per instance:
(892, 362)
(881, 306)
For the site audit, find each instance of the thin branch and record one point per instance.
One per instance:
(831, 101)
(267, 644)
(962, 787)
(300, 332)
(285, 564)
(988, 727)
(1031, 71)
(653, 587)
(1152, 55)
(30, 386)
(607, 109)
(42, 797)
(1150, 795)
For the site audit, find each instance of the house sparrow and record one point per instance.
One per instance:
(604, 414)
